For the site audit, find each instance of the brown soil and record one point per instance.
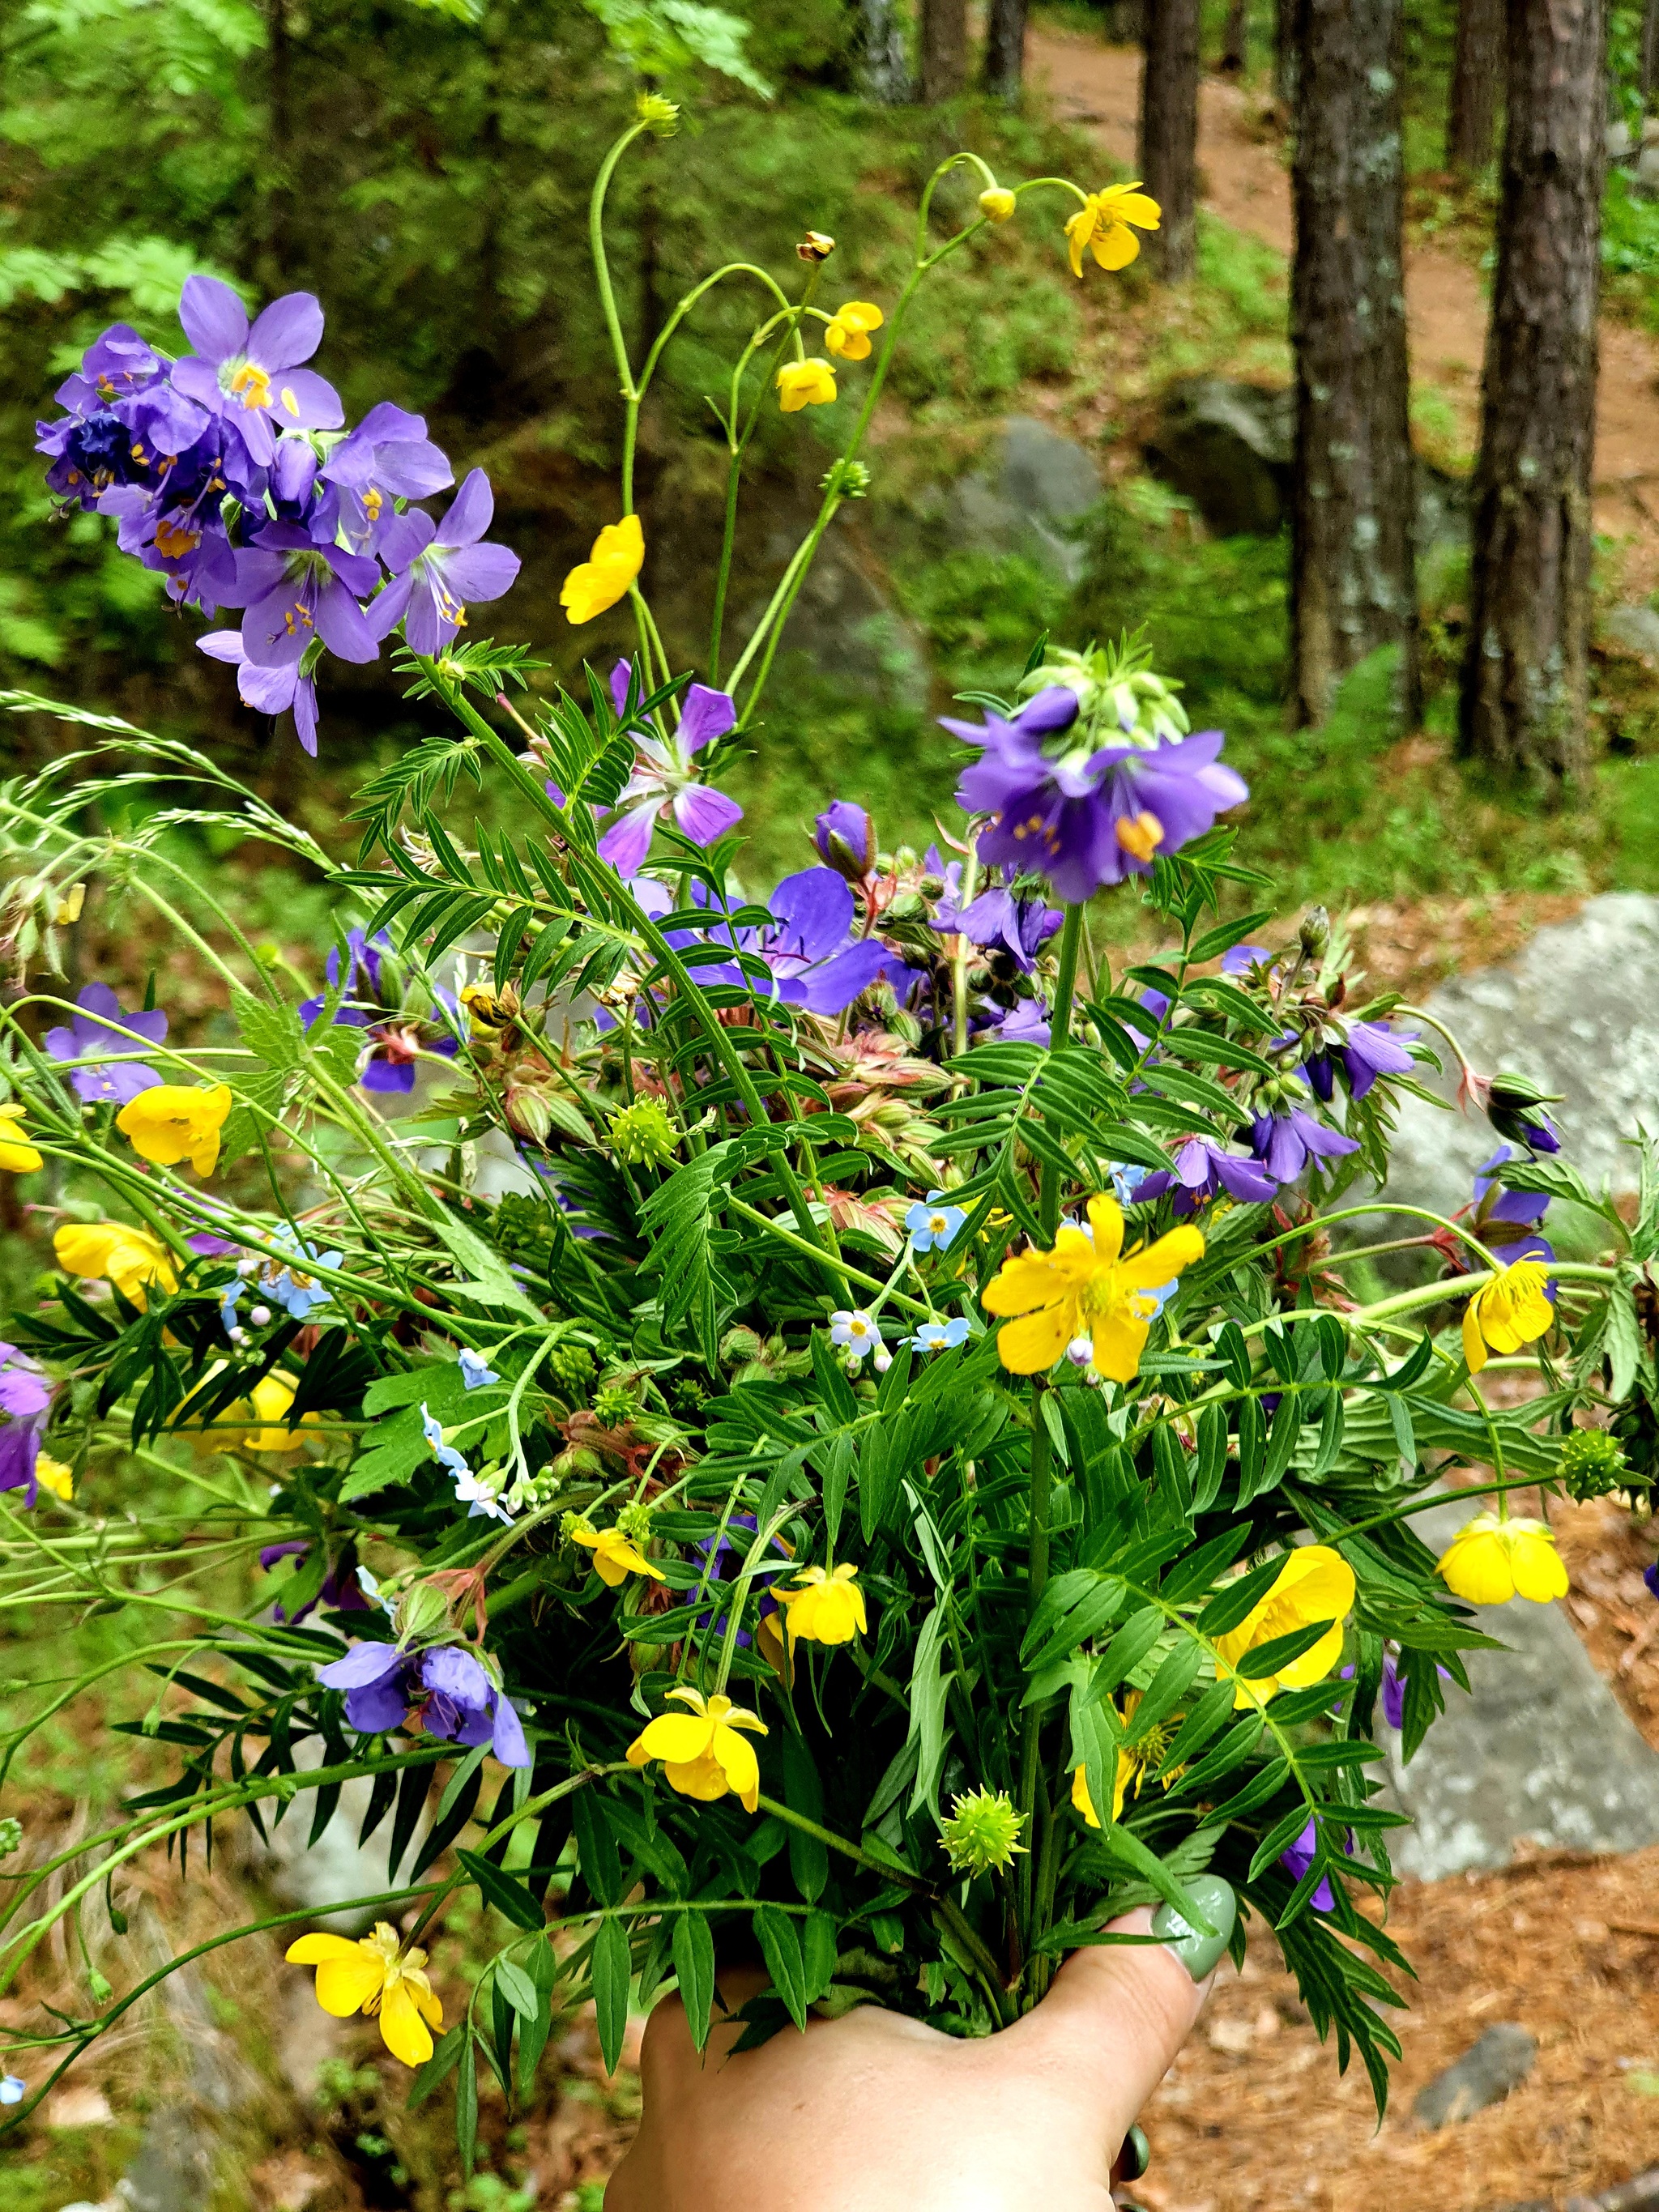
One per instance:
(1245, 184)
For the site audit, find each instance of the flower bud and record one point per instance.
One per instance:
(11, 1835)
(982, 1833)
(659, 116)
(1516, 1107)
(1315, 935)
(68, 909)
(421, 1610)
(1593, 1464)
(643, 1135)
(816, 247)
(845, 839)
(996, 204)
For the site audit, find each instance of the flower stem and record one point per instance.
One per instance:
(1060, 1034)
(1037, 1582)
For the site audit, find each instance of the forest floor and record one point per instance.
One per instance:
(1244, 182)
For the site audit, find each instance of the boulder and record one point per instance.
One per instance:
(1029, 495)
(847, 627)
(1577, 1011)
(1230, 449)
(1485, 2074)
(1633, 630)
(1541, 1751)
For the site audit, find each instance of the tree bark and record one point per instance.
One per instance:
(1235, 39)
(1649, 66)
(1169, 134)
(1477, 75)
(1525, 672)
(1004, 50)
(884, 72)
(944, 49)
(1352, 573)
(1284, 55)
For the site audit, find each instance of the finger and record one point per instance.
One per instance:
(1109, 2029)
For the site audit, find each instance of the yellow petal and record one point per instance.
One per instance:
(1118, 1342)
(1476, 1568)
(1139, 208)
(702, 1778)
(405, 2033)
(1474, 1344)
(1115, 247)
(680, 1737)
(1106, 1219)
(1315, 1664)
(1031, 1346)
(1080, 1797)
(735, 1756)
(345, 1986)
(1540, 1573)
(310, 1950)
(1028, 1279)
(1162, 1263)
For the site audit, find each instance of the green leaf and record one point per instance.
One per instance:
(467, 2106)
(509, 1897)
(445, 2056)
(611, 1970)
(516, 1986)
(488, 1281)
(1126, 1651)
(781, 1948)
(803, 1792)
(596, 1847)
(818, 1948)
(1273, 1656)
(929, 1688)
(694, 1963)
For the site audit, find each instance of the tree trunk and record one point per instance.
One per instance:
(1235, 40)
(1525, 670)
(1477, 74)
(883, 71)
(1353, 575)
(1284, 55)
(278, 241)
(1648, 64)
(1169, 134)
(1004, 50)
(944, 49)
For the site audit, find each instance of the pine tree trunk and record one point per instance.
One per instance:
(1004, 50)
(1169, 134)
(1477, 75)
(944, 49)
(1235, 40)
(1353, 583)
(1284, 55)
(1648, 65)
(1525, 673)
(884, 72)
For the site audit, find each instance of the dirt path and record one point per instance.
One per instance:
(1246, 184)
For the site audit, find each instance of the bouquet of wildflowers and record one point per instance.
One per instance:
(895, 1477)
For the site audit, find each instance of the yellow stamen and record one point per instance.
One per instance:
(1140, 834)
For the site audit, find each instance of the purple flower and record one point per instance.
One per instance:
(440, 569)
(87, 1035)
(339, 1590)
(1017, 927)
(1287, 1140)
(1024, 1024)
(715, 1550)
(362, 958)
(845, 839)
(814, 958)
(253, 377)
(268, 690)
(20, 1448)
(1088, 818)
(1650, 1577)
(387, 456)
(1202, 1169)
(24, 1390)
(295, 591)
(459, 1703)
(1239, 959)
(1296, 1860)
(663, 777)
(1508, 1221)
(1371, 1050)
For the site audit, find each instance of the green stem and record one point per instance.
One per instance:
(1060, 1035)
(817, 1252)
(1036, 1581)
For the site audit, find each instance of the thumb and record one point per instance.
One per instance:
(1109, 2029)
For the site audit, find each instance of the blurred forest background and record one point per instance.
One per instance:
(1203, 445)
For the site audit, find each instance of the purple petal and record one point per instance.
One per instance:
(215, 319)
(509, 1746)
(832, 986)
(302, 400)
(268, 690)
(815, 910)
(389, 1074)
(424, 631)
(222, 645)
(469, 513)
(620, 677)
(341, 625)
(407, 537)
(383, 612)
(628, 841)
(708, 714)
(288, 332)
(704, 814)
(480, 571)
(305, 715)
(414, 468)
(378, 1706)
(452, 1673)
(363, 1664)
(198, 380)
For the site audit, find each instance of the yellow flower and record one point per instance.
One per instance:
(1085, 1804)
(996, 204)
(1490, 1561)
(616, 558)
(809, 383)
(1315, 1583)
(847, 331)
(1086, 1287)
(1101, 224)
(1131, 1765)
(109, 1251)
(52, 1474)
(17, 1155)
(614, 1557)
(702, 1754)
(1510, 1312)
(68, 909)
(825, 1607)
(172, 1122)
(370, 1976)
(268, 1401)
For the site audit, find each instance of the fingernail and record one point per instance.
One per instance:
(1199, 1953)
(1135, 2156)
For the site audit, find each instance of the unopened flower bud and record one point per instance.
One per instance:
(421, 1610)
(1081, 1351)
(1515, 1108)
(1593, 1464)
(883, 1360)
(816, 247)
(996, 204)
(659, 116)
(982, 1833)
(845, 839)
(258, 1315)
(904, 1024)
(11, 1835)
(1316, 932)
(643, 1135)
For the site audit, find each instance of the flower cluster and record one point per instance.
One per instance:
(229, 472)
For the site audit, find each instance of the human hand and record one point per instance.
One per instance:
(874, 2112)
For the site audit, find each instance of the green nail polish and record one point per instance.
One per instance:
(1199, 1953)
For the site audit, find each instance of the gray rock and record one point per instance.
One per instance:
(1620, 141)
(1484, 2076)
(335, 1869)
(1647, 167)
(1033, 490)
(1577, 1011)
(1230, 447)
(1635, 628)
(1541, 1750)
(848, 627)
